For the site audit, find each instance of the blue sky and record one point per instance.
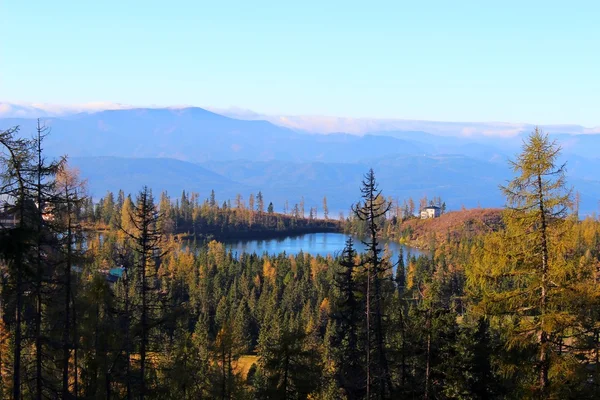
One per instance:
(514, 61)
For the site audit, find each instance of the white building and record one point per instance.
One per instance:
(431, 212)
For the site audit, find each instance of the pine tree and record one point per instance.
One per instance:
(260, 202)
(70, 192)
(108, 207)
(401, 273)
(147, 242)
(370, 211)
(16, 241)
(213, 201)
(42, 183)
(250, 210)
(346, 321)
(290, 364)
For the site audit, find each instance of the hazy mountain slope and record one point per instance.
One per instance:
(458, 179)
(197, 135)
(581, 145)
(187, 134)
(403, 177)
(194, 134)
(131, 174)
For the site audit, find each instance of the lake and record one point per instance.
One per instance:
(312, 243)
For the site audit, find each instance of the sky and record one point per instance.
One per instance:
(514, 61)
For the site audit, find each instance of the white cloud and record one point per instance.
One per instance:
(5, 108)
(360, 126)
(34, 110)
(309, 123)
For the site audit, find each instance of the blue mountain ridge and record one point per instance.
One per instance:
(197, 150)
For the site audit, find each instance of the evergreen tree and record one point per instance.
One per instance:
(147, 242)
(16, 241)
(42, 181)
(346, 322)
(108, 207)
(260, 202)
(370, 211)
(213, 201)
(400, 273)
(290, 365)
(70, 192)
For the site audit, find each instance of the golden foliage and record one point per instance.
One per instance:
(268, 271)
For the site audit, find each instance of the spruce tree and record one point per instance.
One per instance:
(147, 243)
(347, 319)
(371, 211)
(400, 273)
(43, 181)
(17, 156)
(70, 193)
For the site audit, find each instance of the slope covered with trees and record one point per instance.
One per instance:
(189, 218)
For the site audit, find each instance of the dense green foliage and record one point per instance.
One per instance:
(509, 314)
(208, 220)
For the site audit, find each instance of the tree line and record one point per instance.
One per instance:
(206, 220)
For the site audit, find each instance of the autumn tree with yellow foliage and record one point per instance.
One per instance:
(531, 286)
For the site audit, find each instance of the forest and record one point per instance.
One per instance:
(189, 218)
(506, 312)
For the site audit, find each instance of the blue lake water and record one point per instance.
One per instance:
(313, 243)
(322, 244)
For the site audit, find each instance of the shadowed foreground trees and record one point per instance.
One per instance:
(132, 311)
(346, 328)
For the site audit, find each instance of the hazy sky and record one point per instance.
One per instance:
(515, 61)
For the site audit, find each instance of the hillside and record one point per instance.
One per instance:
(159, 174)
(457, 225)
(197, 135)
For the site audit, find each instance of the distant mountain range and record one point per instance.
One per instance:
(198, 150)
(310, 123)
(326, 124)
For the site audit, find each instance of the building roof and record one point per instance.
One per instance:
(432, 207)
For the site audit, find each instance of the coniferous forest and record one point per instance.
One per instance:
(507, 312)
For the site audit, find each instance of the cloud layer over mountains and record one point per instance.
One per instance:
(311, 124)
(359, 126)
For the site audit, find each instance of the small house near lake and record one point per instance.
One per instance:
(431, 212)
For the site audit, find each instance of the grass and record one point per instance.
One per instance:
(245, 362)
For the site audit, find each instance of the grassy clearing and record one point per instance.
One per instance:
(245, 362)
